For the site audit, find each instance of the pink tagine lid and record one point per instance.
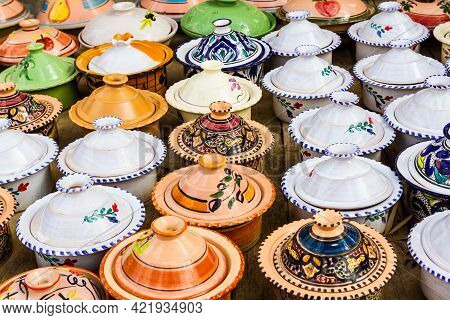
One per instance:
(327, 10)
(172, 8)
(12, 12)
(53, 283)
(267, 5)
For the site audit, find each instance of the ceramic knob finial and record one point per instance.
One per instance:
(212, 65)
(35, 47)
(328, 224)
(344, 98)
(74, 183)
(220, 109)
(307, 50)
(7, 89)
(123, 6)
(29, 24)
(124, 37)
(222, 26)
(342, 150)
(212, 161)
(389, 6)
(107, 123)
(298, 15)
(115, 80)
(169, 226)
(42, 279)
(438, 82)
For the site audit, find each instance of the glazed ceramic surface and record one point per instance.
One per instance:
(171, 8)
(442, 34)
(7, 209)
(267, 5)
(430, 13)
(11, 13)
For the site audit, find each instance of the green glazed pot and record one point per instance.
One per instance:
(246, 18)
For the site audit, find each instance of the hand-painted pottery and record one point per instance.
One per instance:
(420, 116)
(394, 74)
(242, 56)
(25, 164)
(428, 245)
(7, 209)
(125, 17)
(71, 14)
(299, 31)
(116, 157)
(267, 5)
(45, 74)
(144, 63)
(172, 261)
(304, 82)
(11, 13)
(193, 96)
(245, 18)
(240, 141)
(327, 258)
(373, 36)
(79, 222)
(136, 108)
(442, 34)
(230, 199)
(426, 169)
(170, 8)
(430, 13)
(54, 283)
(363, 189)
(341, 121)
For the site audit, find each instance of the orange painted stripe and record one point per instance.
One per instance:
(188, 203)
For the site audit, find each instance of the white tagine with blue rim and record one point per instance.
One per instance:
(341, 121)
(116, 157)
(364, 190)
(78, 223)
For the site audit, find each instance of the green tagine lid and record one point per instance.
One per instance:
(40, 70)
(248, 19)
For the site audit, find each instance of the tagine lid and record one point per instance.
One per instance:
(7, 206)
(169, 8)
(196, 93)
(40, 70)
(11, 13)
(327, 257)
(341, 121)
(136, 108)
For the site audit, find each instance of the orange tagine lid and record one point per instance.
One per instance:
(172, 261)
(12, 12)
(136, 108)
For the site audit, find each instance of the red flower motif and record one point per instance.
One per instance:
(23, 187)
(370, 120)
(69, 262)
(298, 105)
(114, 207)
(388, 98)
(387, 28)
(306, 154)
(310, 174)
(75, 272)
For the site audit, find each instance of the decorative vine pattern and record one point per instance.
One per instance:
(327, 71)
(21, 188)
(380, 101)
(224, 183)
(110, 214)
(380, 29)
(362, 126)
(289, 106)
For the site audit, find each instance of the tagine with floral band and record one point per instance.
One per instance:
(430, 13)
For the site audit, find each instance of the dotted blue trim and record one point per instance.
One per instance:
(342, 155)
(87, 185)
(96, 124)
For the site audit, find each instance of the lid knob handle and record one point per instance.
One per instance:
(307, 50)
(74, 183)
(211, 65)
(401, 43)
(7, 89)
(29, 24)
(107, 123)
(35, 47)
(5, 123)
(222, 26)
(115, 80)
(389, 6)
(220, 110)
(168, 226)
(344, 98)
(342, 150)
(328, 224)
(212, 161)
(42, 278)
(123, 6)
(438, 82)
(124, 38)
(298, 15)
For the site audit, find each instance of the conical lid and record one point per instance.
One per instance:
(327, 257)
(136, 108)
(12, 12)
(14, 48)
(7, 207)
(27, 112)
(171, 8)
(40, 70)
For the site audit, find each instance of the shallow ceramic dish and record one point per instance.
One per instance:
(242, 56)
(341, 121)
(53, 283)
(394, 74)
(303, 83)
(429, 13)
(115, 157)
(7, 209)
(193, 96)
(11, 13)
(78, 223)
(25, 164)
(374, 36)
(170, 8)
(442, 34)
(327, 258)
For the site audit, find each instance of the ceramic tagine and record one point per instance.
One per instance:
(341, 121)
(144, 63)
(71, 14)
(396, 73)
(193, 96)
(420, 116)
(25, 164)
(304, 82)
(267, 5)
(242, 56)
(327, 258)
(78, 223)
(245, 18)
(227, 198)
(138, 109)
(428, 245)
(46, 74)
(11, 13)
(374, 36)
(125, 17)
(430, 13)
(172, 261)
(7, 209)
(426, 169)
(53, 283)
(170, 8)
(116, 157)
(442, 34)
(300, 31)
(363, 189)
(29, 113)
(240, 141)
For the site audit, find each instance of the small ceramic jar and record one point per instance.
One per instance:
(11, 13)
(430, 13)
(240, 141)
(25, 164)
(125, 17)
(341, 121)
(374, 36)
(393, 74)
(327, 258)
(425, 167)
(7, 208)
(300, 31)
(241, 56)
(420, 116)
(427, 244)
(442, 34)
(78, 223)
(169, 8)
(54, 283)
(193, 96)
(304, 82)
(115, 157)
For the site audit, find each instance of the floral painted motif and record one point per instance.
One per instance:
(55, 261)
(380, 29)
(424, 204)
(141, 244)
(27, 63)
(148, 20)
(110, 214)
(224, 184)
(234, 84)
(377, 217)
(380, 101)
(21, 188)
(328, 71)
(290, 108)
(366, 126)
(407, 5)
